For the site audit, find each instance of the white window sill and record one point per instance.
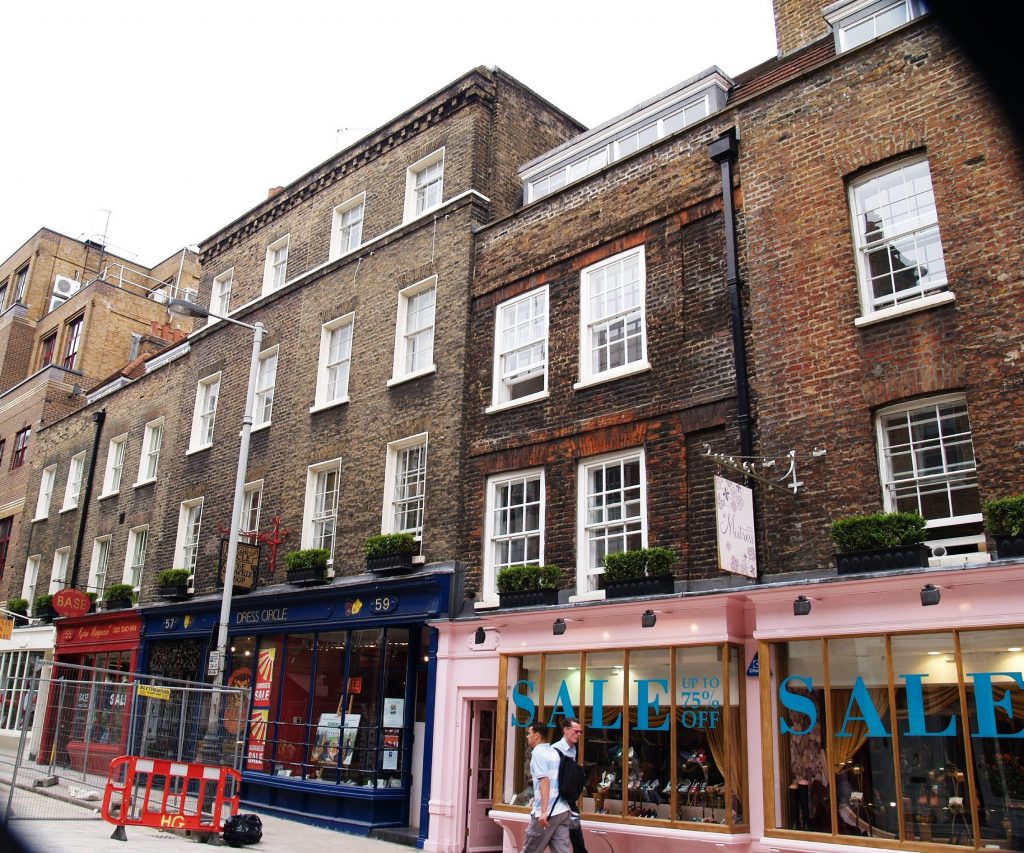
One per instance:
(408, 377)
(521, 401)
(258, 427)
(323, 407)
(956, 520)
(612, 375)
(420, 215)
(40, 518)
(338, 256)
(106, 495)
(923, 304)
(148, 482)
(487, 604)
(193, 450)
(593, 595)
(65, 509)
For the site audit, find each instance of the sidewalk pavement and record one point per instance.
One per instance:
(92, 835)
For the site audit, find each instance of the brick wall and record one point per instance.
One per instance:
(819, 379)
(797, 23)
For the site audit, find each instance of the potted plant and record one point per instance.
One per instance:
(42, 608)
(642, 571)
(19, 606)
(529, 586)
(880, 542)
(1004, 521)
(390, 553)
(118, 596)
(93, 598)
(307, 567)
(173, 583)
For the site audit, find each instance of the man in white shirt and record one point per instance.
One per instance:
(549, 819)
(571, 730)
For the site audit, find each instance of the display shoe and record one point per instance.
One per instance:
(684, 786)
(653, 786)
(668, 788)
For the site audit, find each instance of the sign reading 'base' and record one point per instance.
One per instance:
(70, 602)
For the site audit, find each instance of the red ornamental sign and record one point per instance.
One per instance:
(70, 602)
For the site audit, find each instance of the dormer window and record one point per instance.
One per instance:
(856, 22)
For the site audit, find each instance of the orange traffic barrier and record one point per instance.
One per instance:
(169, 795)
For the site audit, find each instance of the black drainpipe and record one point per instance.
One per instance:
(724, 152)
(83, 508)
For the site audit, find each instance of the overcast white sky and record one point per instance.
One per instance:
(177, 117)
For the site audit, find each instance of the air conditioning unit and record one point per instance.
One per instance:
(190, 295)
(65, 287)
(56, 302)
(158, 296)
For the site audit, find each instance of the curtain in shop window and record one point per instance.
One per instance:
(844, 748)
(724, 741)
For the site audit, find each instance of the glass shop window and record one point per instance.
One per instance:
(924, 743)
(661, 730)
(328, 688)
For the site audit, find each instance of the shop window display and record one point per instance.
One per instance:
(888, 736)
(661, 730)
(327, 706)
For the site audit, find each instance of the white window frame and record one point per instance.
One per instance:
(325, 395)
(393, 490)
(45, 497)
(590, 322)
(846, 16)
(403, 336)
(220, 295)
(492, 538)
(132, 555)
(266, 383)
(587, 574)
(187, 542)
(31, 580)
(113, 471)
(252, 494)
(309, 522)
(73, 488)
(966, 476)
(204, 417)
(508, 319)
(59, 570)
(413, 209)
(934, 292)
(99, 566)
(275, 268)
(149, 458)
(346, 229)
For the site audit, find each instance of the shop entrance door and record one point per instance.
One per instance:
(482, 833)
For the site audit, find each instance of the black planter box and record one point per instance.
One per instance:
(118, 604)
(306, 577)
(883, 559)
(45, 615)
(529, 598)
(174, 593)
(1009, 546)
(392, 564)
(640, 587)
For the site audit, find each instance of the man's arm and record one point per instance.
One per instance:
(545, 793)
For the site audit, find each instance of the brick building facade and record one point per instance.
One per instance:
(71, 313)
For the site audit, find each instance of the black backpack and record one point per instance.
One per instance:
(571, 779)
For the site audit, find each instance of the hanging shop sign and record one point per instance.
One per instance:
(734, 510)
(70, 602)
(247, 565)
(6, 628)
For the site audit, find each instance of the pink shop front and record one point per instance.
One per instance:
(729, 722)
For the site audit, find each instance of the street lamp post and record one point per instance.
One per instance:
(185, 308)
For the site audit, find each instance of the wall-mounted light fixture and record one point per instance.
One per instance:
(480, 636)
(648, 619)
(801, 605)
(930, 594)
(558, 627)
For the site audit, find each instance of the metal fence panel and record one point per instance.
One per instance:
(74, 719)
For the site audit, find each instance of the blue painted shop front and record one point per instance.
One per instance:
(341, 682)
